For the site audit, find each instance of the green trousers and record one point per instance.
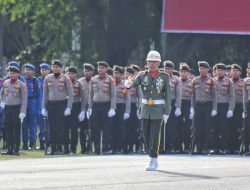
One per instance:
(152, 134)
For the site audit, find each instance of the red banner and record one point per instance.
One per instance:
(206, 16)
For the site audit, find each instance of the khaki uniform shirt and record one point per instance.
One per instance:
(15, 94)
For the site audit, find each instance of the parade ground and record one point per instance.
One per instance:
(126, 172)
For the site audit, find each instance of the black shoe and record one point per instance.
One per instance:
(32, 145)
(16, 152)
(214, 152)
(42, 147)
(73, 149)
(25, 145)
(8, 152)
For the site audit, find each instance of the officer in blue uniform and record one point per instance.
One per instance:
(44, 70)
(33, 91)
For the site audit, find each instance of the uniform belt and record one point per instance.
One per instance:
(153, 102)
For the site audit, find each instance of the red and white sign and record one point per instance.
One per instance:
(206, 16)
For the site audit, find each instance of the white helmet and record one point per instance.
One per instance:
(154, 56)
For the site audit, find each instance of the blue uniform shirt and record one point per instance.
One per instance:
(34, 90)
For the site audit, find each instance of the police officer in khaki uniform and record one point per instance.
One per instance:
(77, 113)
(58, 100)
(203, 106)
(155, 105)
(85, 130)
(246, 109)
(123, 105)
(225, 104)
(102, 100)
(235, 122)
(186, 94)
(172, 132)
(14, 103)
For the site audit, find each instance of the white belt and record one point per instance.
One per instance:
(153, 102)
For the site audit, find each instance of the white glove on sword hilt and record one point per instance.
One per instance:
(67, 112)
(2, 105)
(111, 113)
(126, 116)
(229, 113)
(165, 118)
(44, 112)
(177, 112)
(22, 116)
(244, 115)
(89, 113)
(213, 113)
(191, 115)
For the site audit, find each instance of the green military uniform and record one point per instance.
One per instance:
(156, 102)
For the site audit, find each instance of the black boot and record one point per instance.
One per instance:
(25, 145)
(73, 149)
(9, 151)
(16, 151)
(53, 149)
(42, 147)
(66, 149)
(32, 145)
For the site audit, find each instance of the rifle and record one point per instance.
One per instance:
(192, 145)
(243, 135)
(46, 134)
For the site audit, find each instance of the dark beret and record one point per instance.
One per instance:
(221, 66)
(130, 70)
(184, 66)
(57, 62)
(30, 66)
(72, 69)
(176, 73)
(168, 64)
(236, 66)
(88, 66)
(203, 64)
(118, 69)
(103, 63)
(13, 69)
(135, 67)
(228, 67)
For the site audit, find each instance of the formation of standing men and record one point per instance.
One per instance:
(204, 114)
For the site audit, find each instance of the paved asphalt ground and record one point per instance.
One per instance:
(126, 172)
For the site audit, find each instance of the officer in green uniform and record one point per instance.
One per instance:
(155, 104)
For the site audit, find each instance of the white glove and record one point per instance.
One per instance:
(44, 112)
(127, 83)
(244, 115)
(111, 113)
(126, 116)
(22, 116)
(67, 112)
(138, 114)
(177, 112)
(229, 113)
(213, 113)
(191, 115)
(89, 113)
(81, 116)
(2, 105)
(165, 118)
